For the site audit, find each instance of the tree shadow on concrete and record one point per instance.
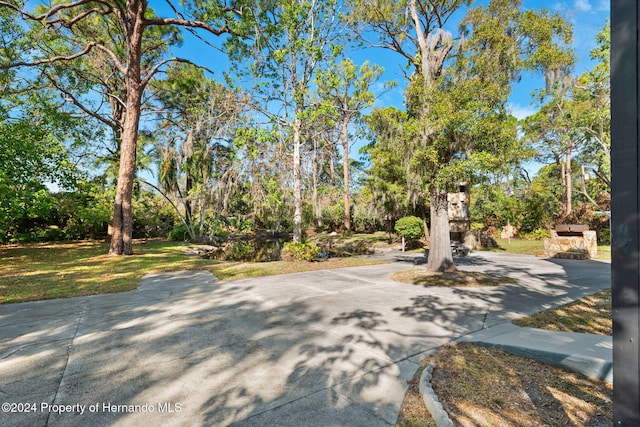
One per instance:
(219, 353)
(204, 354)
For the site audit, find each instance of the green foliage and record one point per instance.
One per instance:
(85, 211)
(333, 216)
(241, 251)
(180, 233)
(293, 40)
(216, 225)
(32, 154)
(153, 217)
(457, 114)
(409, 227)
(492, 207)
(396, 183)
(477, 226)
(300, 251)
(365, 222)
(537, 234)
(547, 36)
(241, 224)
(541, 202)
(592, 114)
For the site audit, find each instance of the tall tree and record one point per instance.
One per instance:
(392, 179)
(553, 131)
(292, 38)
(130, 20)
(592, 98)
(459, 84)
(195, 145)
(346, 87)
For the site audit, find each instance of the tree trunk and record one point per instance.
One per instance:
(345, 172)
(188, 212)
(427, 237)
(568, 181)
(316, 202)
(122, 229)
(440, 256)
(297, 184)
(332, 166)
(122, 237)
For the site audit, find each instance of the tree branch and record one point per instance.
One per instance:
(75, 101)
(157, 66)
(175, 208)
(68, 23)
(122, 68)
(53, 10)
(603, 177)
(84, 51)
(585, 194)
(187, 24)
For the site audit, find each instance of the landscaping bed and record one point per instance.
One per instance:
(480, 386)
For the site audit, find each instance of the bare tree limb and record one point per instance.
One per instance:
(51, 12)
(585, 194)
(603, 177)
(121, 67)
(187, 24)
(84, 51)
(68, 23)
(175, 208)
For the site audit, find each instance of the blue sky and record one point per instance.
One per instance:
(586, 16)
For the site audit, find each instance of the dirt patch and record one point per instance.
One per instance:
(454, 279)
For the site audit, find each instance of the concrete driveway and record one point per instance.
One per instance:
(325, 348)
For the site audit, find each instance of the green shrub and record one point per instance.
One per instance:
(363, 222)
(537, 234)
(333, 216)
(409, 227)
(23, 238)
(180, 233)
(217, 225)
(240, 224)
(301, 251)
(51, 233)
(477, 226)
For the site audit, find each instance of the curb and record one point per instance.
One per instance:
(440, 416)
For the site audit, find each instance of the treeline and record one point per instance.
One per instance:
(89, 149)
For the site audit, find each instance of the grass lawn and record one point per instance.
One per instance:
(62, 270)
(532, 247)
(590, 315)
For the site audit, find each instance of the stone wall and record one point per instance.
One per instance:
(577, 246)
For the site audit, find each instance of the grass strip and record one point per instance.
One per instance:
(63, 270)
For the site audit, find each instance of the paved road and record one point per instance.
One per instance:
(327, 348)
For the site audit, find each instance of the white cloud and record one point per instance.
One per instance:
(603, 5)
(582, 5)
(521, 112)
